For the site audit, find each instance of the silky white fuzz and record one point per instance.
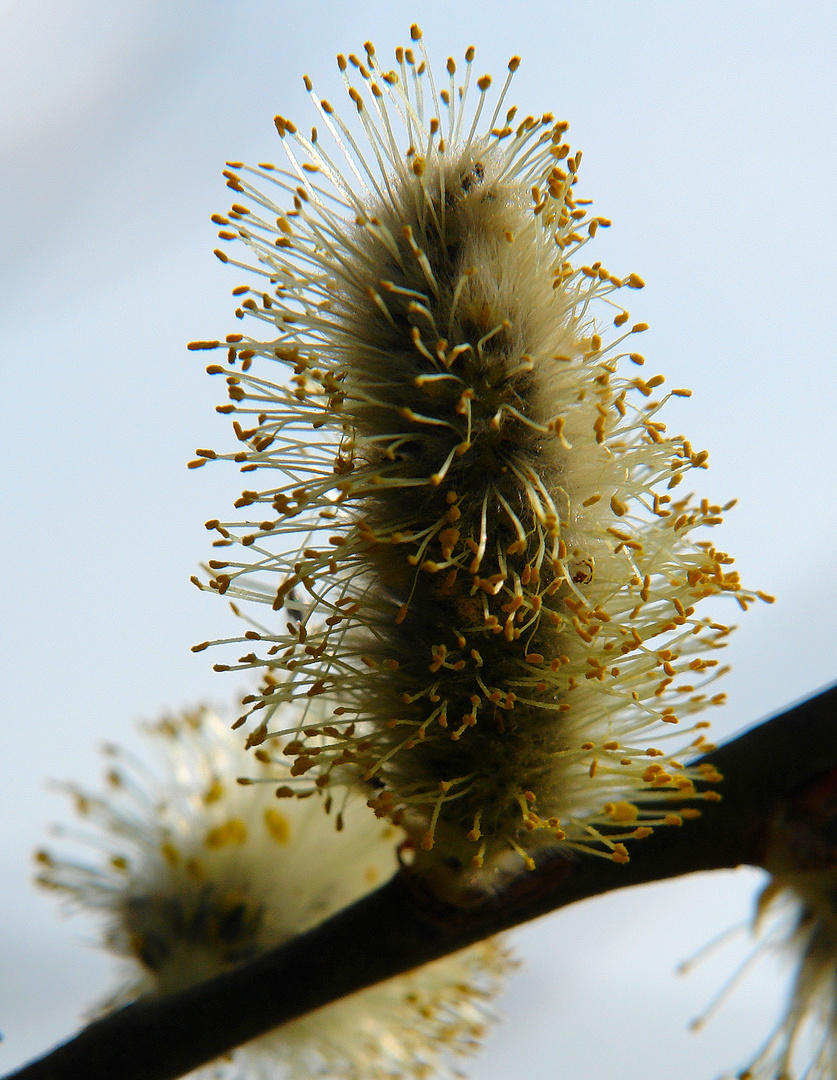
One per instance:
(197, 874)
(467, 514)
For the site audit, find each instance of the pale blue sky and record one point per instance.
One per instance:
(708, 138)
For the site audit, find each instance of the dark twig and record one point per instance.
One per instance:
(401, 926)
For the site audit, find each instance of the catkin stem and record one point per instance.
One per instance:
(399, 926)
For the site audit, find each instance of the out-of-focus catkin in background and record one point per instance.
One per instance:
(707, 139)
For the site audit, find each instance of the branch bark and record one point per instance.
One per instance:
(401, 926)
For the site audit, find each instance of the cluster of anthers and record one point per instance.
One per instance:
(469, 518)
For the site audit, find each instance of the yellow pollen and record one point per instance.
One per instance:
(277, 826)
(233, 831)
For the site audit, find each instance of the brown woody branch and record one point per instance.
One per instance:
(400, 926)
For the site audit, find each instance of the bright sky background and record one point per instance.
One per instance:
(708, 132)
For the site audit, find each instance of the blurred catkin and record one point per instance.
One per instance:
(193, 874)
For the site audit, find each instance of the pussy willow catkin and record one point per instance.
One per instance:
(194, 874)
(467, 514)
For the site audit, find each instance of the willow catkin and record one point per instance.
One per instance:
(466, 512)
(192, 875)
